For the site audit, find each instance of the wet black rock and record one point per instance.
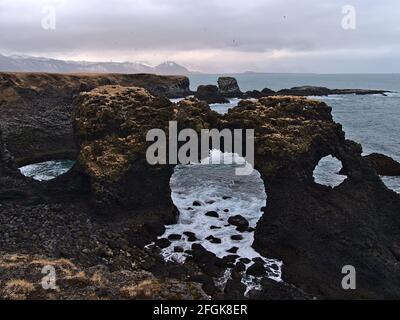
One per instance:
(245, 260)
(213, 239)
(240, 222)
(233, 250)
(210, 94)
(175, 237)
(231, 258)
(256, 270)
(191, 236)
(226, 198)
(206, 260)
(178, 249)
(212, 214)
(163, 243)
(240, 267)
(215, 228)
(237, 237)
(196, 203)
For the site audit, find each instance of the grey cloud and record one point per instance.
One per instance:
(252, 26)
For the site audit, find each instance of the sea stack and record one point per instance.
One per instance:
(229, 87)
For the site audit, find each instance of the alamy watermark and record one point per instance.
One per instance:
(49, 280)
(49, 18)
(349, 20)
(194, 148)
(349, 280)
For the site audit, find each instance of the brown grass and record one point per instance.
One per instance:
(17, 289)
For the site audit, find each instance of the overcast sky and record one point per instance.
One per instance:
(210, 35)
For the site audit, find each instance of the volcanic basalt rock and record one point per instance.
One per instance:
(323, 91)
(111, 124)
(384, 165)
(36, 108)
(210, 94)
(229, 87)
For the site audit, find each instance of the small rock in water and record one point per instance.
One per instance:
(245, 260)
(233, 250)
(163, 243)
(196, 203)
(237, 237)
(175, 237)
(256, 270)
(226, 210)
(190, 209)
(226, 197)
(212, 214)
(210, 201)
(178, 249)
(191, 236)
(231, 258)
(212, 239)
(240, 267)
(241, 223)
(214, 227)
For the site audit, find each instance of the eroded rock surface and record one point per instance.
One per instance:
(36, 108)
(384, 165)
(229, 87)
(210, 94)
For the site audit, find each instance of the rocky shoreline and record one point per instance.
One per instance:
(94, 223)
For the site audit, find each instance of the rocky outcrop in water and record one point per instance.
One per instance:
(384, 165)
(110, 126)
(36, 108)
(210, 94)
(229, 87)
(322, 91)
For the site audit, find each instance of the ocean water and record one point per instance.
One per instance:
(48, 170)
(327, 172)
(371, 120)
(218, 189)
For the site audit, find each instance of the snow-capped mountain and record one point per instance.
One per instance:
(24, 63)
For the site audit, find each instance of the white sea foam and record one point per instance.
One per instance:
(223, 108)
(218, 189)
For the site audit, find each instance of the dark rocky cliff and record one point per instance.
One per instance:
(36, 108)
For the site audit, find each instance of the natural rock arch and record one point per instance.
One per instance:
(111, 122)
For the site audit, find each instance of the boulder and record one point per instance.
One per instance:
(268, 92)
(241, 223)
(384, 165)
(229, 87)
(210, 94)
